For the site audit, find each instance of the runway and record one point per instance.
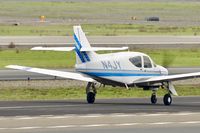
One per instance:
(134, 42)
(102, 106)
(106, 115)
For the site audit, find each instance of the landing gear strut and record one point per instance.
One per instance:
(167, 99)
(91, 92)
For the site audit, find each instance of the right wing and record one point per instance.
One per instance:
(68, 75)
(166, 78)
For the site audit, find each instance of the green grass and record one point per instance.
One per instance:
(45, 59)
(51, 59)
(115, 10)
(60, 16)
(98, 29)
(79, 93)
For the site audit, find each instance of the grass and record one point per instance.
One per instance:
(79, 93)
(51, 59)
(106, 10)
(97, 29)
(45, 59)
(104, 18)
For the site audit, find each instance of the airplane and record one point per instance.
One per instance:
(125, 69)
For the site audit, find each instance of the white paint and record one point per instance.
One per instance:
(99, 125)
(66, 126)
(127, 124)
(96, 116)
(160, 123)
(96, 125)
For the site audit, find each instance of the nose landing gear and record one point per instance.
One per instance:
(167, 99)
(153, 98)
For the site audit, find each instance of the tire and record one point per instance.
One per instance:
(153, 99)
(167, 99)
(90, 97)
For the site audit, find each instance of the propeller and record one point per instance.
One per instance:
(167, 59)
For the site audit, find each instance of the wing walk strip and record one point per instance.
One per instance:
(102, 125)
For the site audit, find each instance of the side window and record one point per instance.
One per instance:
(136, 61)
(147, 62)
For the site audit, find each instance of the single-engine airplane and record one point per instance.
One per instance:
(126, 69)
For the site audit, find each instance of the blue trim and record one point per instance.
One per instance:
(77, 41)
(80, 46)
(86, 56)
(109, 74)
(113, 70)
(79, 54)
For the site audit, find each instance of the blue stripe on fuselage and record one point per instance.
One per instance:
(110, 74)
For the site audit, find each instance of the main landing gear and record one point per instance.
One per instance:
(167, 99)
(91, 92)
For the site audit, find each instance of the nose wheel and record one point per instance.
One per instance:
(153, 99)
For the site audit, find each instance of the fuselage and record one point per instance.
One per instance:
(121, 67)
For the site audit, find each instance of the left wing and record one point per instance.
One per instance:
(68, 75)
(170, 78)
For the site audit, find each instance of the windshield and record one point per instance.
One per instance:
(136, 61)
(147, 62)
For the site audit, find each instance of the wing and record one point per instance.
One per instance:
(68, 75)
(83, 49)
(170, 78)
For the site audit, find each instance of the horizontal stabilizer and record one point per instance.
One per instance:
(103, 48)
(82, 49)
(53, 48)
(67, 75)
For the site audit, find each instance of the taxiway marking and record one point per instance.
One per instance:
(100, 125)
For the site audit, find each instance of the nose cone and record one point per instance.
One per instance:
(163, 71)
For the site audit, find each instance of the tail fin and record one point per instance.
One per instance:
(81, 42)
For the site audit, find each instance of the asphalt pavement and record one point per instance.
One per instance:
(106, 115)
(134, 42)
(101, 106)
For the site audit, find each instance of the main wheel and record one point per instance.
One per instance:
(90, 97)
(167, 99)
(153, 99)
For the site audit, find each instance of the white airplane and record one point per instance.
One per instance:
(126, 69)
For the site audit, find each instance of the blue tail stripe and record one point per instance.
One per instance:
(80, 46)
(79, 54)
(86, 56)
(77, 41)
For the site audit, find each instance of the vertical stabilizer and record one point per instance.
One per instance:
(82, 42)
